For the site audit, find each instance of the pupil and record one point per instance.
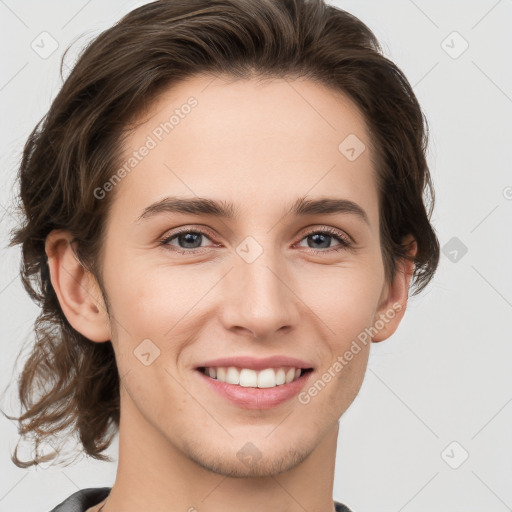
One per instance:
(189, 239)
(325, 237)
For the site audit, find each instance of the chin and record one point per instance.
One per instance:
(248, 460)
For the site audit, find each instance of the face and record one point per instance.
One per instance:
(187, 288)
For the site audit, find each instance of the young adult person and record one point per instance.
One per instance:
(224, 208)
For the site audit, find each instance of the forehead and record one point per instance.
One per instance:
(250, 141)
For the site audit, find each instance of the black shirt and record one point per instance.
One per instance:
(81, 500)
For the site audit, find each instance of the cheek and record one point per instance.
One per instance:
(149, 300)
(155, 394)
(348, 303)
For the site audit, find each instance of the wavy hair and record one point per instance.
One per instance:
(69, 382)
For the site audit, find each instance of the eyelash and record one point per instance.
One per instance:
(345, 243)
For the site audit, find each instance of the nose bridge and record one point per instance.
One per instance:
(259, 293)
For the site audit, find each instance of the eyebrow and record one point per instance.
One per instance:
(224, 209)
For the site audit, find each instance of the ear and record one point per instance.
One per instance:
(76, 288)
(393, 301)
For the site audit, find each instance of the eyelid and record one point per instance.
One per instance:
(187, 229)
(331, 231)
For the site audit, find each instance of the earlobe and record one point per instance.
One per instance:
(394, 301)
(76, 288)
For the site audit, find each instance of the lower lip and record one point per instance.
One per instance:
(257, 398)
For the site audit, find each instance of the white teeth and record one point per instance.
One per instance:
(280, 377)
(290, 374)
(267, 378)
(246, 377)
(233, 376)
(221, 374)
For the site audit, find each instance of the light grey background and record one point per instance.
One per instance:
(445, 375)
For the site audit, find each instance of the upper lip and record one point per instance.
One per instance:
(256, 363)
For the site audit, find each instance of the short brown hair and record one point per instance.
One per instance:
(77, 145)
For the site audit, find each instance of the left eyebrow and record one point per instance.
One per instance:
(327, 206)
(203, 206)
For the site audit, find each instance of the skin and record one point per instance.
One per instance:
(261, 146)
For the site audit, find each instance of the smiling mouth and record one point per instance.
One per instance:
(245, 377)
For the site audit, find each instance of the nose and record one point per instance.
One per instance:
(259, 298)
